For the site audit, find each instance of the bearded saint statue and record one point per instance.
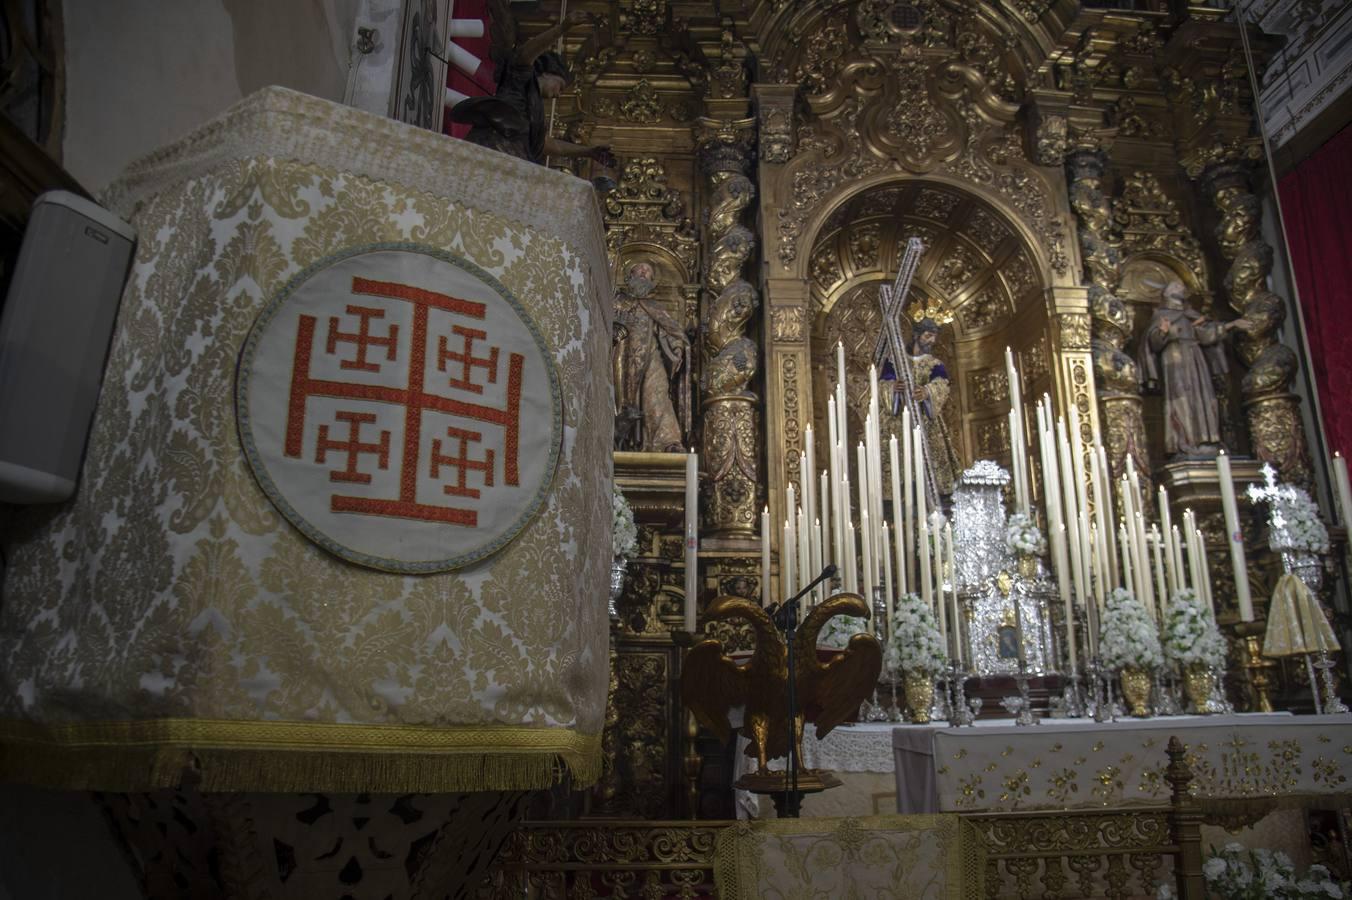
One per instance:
(651, 353)
(932, 387)
(1183, 349)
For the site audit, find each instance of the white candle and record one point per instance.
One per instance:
(765, 557)
(940, 595)
(1069, 501)
(1124, 548)
(955, 629)
(1105, 494)
(921, 498)
(1343, 490)
(787, 569)
(810, 498)
(1166, 532)
(841, 512)
(1143, 565)
(1205, 572)
(1160, 586)
(824, 589)
(1070, 619)
(926, 582)
(887, 576)
(867, 552)
(851, 572)
(824, 521)
(865, 530)
(831, 501)
(1184, 579)
(691, 538)
(804, 551)
(804, 489)
(1235, 537)
(897, 513)
(840, 373)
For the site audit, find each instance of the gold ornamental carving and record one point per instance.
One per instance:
(872, 112)
(644, 208)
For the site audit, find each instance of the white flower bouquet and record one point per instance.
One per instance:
(624, 533)
(915, 644)
(1190, 634)
(1237, 873)
(1023, 537)
(1128, 639)
(838, 630)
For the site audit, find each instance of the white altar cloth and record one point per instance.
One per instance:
(1081, 763)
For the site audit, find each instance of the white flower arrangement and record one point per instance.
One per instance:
(1128, 638)
(1293, 517)
(915, 644)
(1237, 873)
(1190, 633)
(1023, 537)
(838, 630)
(624, 533)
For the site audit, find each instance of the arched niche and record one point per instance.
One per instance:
(980, 278)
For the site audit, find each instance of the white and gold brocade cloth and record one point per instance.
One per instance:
(1238, 761)
(935, 857)
(170, 619)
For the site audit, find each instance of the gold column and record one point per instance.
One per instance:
(732, 426)
(1273, 412)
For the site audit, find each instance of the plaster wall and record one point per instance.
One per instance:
(142, 73)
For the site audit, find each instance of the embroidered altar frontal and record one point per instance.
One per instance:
(344, 518)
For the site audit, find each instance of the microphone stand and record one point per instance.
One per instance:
(785, 615)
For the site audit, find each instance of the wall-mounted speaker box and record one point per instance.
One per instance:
(55, 328)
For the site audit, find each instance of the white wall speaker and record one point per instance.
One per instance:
(55, 328)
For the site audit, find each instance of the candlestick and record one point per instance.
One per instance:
(1235, 537)
(691, 539)
(765, 557)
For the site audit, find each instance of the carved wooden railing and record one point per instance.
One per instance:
(1113, 853)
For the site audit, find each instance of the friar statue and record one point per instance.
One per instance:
(932, 387)
(1183, 350)
(651, 353)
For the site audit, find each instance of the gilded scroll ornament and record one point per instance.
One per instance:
(776, 134)
(641, 104)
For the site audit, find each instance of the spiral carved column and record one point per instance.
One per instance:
(732, 426)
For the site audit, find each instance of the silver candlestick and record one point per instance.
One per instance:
(1333, 704)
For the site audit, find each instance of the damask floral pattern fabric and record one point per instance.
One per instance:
(170, 604)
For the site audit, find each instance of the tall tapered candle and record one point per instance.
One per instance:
(1234, 537)
(1166, 532)
(865, 529)
(851, 567)
(1180, 545)
(1143, 564)
(923, 546)
(691, 538)
(940, 590)
(788, 566)
(1105, 497)
(955, 620)
(832, 503)
(887, 575)
(841, 512)
(921, 504)
(1069, 493)
(765, 557)
(895, 459)
(1156, 542)
(840, 372)
(1124, 548)
(824, 589)
(866, 551)
(1206, 571)
(1343, 491)
(1070, 620)
(804, 553)
(824, 518)
(810, 498)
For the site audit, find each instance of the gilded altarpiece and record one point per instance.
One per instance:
(1058, 161)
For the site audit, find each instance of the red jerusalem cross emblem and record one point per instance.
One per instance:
(399, 407)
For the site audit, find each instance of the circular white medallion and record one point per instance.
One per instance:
(398, 406)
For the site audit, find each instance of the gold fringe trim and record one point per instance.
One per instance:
(220, 755)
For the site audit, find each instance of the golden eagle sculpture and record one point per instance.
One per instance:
(828, 694)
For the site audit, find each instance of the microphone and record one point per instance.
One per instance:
(774, 608)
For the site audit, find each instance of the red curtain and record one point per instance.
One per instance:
(1317, 206)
